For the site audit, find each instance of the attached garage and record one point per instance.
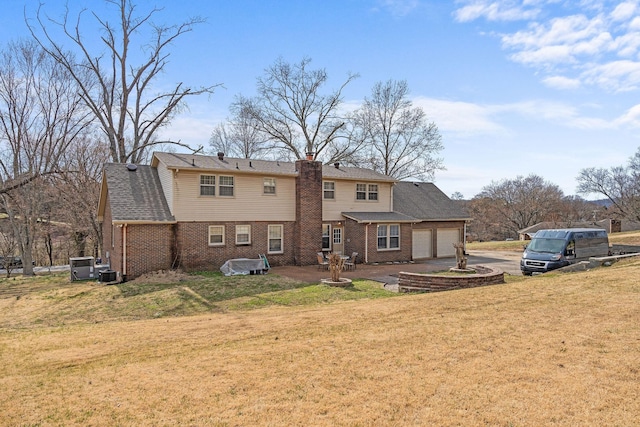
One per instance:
(422, 244)
(447, 237)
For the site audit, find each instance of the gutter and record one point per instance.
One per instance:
(124, 251)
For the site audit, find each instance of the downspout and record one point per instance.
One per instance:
(124, 251)
(366, 244)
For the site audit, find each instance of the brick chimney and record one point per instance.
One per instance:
(308, 227)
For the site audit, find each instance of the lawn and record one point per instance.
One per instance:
(557, 349)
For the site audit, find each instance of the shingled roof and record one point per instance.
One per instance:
(135, 194)
(424, 201)
(263, 167)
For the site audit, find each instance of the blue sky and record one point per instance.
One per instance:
(516, 87)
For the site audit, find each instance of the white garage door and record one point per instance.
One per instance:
(421, 246)
(446, 238)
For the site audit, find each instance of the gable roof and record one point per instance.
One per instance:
(424, 201)
(135, 196)
(262, 167)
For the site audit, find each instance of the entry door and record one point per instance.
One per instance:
(338, 240)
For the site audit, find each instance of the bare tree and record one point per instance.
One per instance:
(40, 115)
(78, 193)
(619, 184)
(503, 208)
(292, 111)
(239, 136)
(399, 139)
(121, 94)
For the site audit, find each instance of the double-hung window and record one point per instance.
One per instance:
(216, 235)
(275, 239)
(372, 193)
(367, 192)
(269, 185)
(207, 185)
(388, 236)
(243, 234)
(329, 190)
(225, 186)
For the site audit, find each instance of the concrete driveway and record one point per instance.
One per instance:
(507, 261)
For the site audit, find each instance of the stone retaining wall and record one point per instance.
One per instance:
(416, 282)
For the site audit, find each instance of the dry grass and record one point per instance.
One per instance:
(548, 350)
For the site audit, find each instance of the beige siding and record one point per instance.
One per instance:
(166, 180)
(345, 201)
(248, 203)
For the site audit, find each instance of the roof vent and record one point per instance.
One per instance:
(250, 165)
(237, 167)
(337, 165)
(416, 184)
(193, 162)
(131, 167)
(220, 155)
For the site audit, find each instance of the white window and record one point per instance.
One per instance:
(367, 192)
(373, 192)
(207, 185)
(225, 186)
(275, 239)
(329, 190)
(326, 237)
(389, 236)
(269, 186)
(243, 234)
(216, 235)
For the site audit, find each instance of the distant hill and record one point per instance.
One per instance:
(602, 202)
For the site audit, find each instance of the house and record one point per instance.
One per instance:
(197, 211)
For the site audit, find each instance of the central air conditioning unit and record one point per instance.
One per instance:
(82, 268)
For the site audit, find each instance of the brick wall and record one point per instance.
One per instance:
(196, 254)
(307, 234)
(414, 282)
(357, 235)
(149, 248)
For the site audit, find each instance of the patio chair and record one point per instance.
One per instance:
(323, 264)
(351, 262)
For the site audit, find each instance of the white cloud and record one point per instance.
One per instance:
(561, 82)
(496, 11)
(461, 118)
(631, 117)
(588, 43)
(617, 76)
(624, 11)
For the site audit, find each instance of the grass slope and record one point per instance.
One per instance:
(558, 349)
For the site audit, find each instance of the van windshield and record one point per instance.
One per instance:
(552, 246)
